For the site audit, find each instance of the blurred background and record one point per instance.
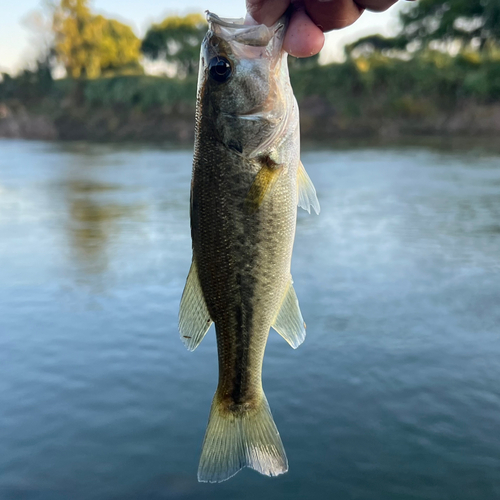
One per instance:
(72, 71)
(394, 395)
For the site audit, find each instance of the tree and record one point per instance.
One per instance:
(473, 23)
(28, 86)
(177, 40)
(119, 48)
(375, 43)
(89, 45)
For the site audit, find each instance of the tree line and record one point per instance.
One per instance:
(445, 55)
(90, 45)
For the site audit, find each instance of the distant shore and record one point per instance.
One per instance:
(380, 98)
(319, 122)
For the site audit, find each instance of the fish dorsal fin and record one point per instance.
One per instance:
(289, 323)
(263, 183)
(194, 319)
(307, 192)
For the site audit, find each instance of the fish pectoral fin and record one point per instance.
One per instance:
(289, 322)
(194, 319)
(307, 192)
(263, 183)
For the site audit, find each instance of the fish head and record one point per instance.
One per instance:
(243, 86)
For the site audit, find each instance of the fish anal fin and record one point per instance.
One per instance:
(306, 190)
(289, 322)
(263, 183)
(194, 319)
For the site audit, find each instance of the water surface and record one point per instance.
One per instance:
(394, 395)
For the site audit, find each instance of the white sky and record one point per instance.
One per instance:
(17, 46)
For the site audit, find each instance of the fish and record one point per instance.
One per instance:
(247, 181)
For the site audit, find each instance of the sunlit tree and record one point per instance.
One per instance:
(118, 47)
(89, 45)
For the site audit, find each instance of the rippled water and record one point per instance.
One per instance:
(394, 395)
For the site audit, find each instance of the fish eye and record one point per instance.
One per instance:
(220, 69)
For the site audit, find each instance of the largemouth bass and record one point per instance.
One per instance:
(247, 182)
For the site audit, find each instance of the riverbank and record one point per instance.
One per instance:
(319, 121)
(376, 97)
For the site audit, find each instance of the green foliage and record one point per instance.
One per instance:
(29, 86)
(303, 63)
(176, 40)
(143, 92)
(331, 81)
(89, 45)
(465, 21)
(381, 86)
(375, 86)
(484, 82)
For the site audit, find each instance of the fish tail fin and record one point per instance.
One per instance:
(240, 438)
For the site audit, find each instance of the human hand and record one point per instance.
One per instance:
(311, 18)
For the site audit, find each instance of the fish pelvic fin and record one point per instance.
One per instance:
(306, 191)
(240, 438)
(194, 318)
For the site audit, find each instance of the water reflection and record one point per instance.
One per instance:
(94, 223)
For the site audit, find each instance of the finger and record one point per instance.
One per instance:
(333, 14)
(376, 5)
(303, 38)
(265, 11)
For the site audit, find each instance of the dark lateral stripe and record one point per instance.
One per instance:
(241, 357)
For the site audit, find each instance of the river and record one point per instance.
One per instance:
(394, 395)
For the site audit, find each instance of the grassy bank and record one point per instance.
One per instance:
(372, 96)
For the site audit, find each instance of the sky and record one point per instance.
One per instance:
(19, 45)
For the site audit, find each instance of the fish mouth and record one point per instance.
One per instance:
(227, 22)
(253, 35)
